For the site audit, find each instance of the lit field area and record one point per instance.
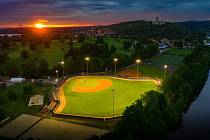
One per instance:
(93, 96)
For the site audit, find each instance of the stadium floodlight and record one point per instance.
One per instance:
(115, 66)
(114, 91)
(56, 74)
(62, 63)
(138, 61)
(87, 59)
(165, 67)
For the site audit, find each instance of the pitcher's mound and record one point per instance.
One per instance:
(91, 85)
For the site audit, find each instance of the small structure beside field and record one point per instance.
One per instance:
(17, 80)
(36, 100)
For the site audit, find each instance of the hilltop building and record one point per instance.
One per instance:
(158, 22)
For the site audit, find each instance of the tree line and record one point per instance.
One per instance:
(31, 65)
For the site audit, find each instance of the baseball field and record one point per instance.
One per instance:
(94, 96)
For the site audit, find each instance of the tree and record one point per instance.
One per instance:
(29, 69)
(43, 68)
(27, 90)
(2, 113)
(3, 57)
(145, 119)
(69, 65)
(127, 44)
(12, 95)
(3, 99)
(11, 68)
(24, 54)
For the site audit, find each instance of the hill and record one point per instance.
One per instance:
(203, 26)
(147, 29)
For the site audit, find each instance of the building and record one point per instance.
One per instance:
(208, 36)
(17, 80)
(158, 22)
(10, 35)
(163, 47)
(207, 41)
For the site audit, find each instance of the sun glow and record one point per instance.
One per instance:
(39, 25)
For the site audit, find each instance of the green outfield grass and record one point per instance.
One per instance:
(100, 103)
(173, 56)
(150, 71)
(168, 59)
(179, 51)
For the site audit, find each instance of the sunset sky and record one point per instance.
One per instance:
(99, 12)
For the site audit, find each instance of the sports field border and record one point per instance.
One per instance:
(62, 102)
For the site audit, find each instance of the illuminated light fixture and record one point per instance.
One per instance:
(87, 58)
(115, 59)
(138, 61)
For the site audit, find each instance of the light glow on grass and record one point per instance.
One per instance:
(100, 103)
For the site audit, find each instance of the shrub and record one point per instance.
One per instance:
(27, 90)
(2, 113)
(12, 95)
(3, 99)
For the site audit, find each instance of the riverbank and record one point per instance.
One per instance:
(196, 122)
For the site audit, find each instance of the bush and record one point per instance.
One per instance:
(12, 95)
(2, 113)
(27, 90)
(144, 119)
(3, 99)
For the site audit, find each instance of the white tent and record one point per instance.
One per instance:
(17, 80)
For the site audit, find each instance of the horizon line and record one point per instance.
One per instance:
(87, 25)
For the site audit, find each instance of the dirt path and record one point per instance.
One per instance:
(62, 98)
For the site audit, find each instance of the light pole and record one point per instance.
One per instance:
(138, 61)
(87, 59)
(115, 66)
(62, 63)
(56, 74)
(114, 90)
(165, 67)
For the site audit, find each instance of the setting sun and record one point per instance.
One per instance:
(39, 25)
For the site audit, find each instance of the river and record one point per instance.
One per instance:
(196, 122)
